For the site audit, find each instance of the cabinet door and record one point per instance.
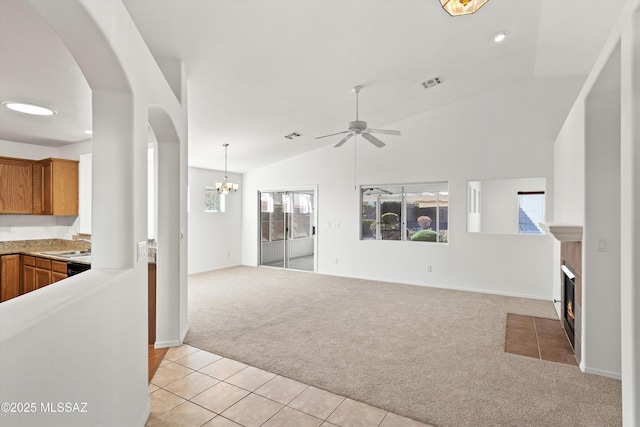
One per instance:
(44, 189)
(56, 277)
(64, 191)
(152, 303)
(43, 278)
(9, 277)
(16, 186)
(28, 278)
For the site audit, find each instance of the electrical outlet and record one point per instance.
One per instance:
(142, 251)
(335, 260)
(428, 269)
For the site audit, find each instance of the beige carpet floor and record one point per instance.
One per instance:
(430, 354)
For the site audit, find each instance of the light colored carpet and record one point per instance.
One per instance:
(430, 354)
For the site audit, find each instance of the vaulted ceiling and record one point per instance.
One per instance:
(258, 70)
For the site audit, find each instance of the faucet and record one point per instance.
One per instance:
(85, 251)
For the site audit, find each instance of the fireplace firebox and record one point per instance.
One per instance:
(568, 302)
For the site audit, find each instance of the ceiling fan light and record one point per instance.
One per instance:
(462, 7)
(28, 108)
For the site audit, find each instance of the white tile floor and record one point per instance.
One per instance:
(194, 388)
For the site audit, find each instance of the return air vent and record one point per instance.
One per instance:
(293, 135)
(435, 81)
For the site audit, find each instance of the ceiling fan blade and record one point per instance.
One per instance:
(333, 134)
(372, 139)
(384, 131)
(343, 140)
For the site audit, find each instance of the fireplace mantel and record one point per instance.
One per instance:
(563, 232)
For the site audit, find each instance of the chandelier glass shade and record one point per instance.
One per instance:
(462, 7)
(226, 187)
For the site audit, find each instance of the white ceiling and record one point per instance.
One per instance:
(258, 70)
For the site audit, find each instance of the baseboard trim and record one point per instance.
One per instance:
(601, 372)
(184, 333)
(166, 344)
(452, 288)
(206, 270)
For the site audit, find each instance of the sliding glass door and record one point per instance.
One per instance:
(287, 229)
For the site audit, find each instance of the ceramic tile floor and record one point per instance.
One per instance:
(543, 339)
(193, 387)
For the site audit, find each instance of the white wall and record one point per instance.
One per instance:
(499, 203)
(25, 227)
(215, 238)
(601, 265)
(600, 140)
(502, 138)
(630, 212)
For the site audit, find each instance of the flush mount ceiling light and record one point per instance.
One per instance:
(462, 7)
(226, 187)
(499, 36)
(28, 108)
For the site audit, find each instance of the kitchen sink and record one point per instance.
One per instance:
(69, 254)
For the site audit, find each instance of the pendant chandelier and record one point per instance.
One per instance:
(226, 187)
(462, 7)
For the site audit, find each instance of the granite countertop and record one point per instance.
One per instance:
(41, 246)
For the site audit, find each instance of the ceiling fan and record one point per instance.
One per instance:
(359, 127)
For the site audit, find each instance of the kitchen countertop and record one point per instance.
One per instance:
(41, 246)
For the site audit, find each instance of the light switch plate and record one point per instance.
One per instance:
(142, 251)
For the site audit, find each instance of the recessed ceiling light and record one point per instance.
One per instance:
(88, 132)
(499, 36)
(27, 108)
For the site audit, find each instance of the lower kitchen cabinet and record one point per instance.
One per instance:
(43, 272)
(152, 303)
(58, 270)
(28, 274)
(43, 278)
(39, 272)
(9, 277)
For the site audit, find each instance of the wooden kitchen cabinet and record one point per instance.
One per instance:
(16, 186)
(40, 272)
(9, 277)
(151, 312)
(43, 272)
(58, 270)
(55, 190)
(28, 274)
(43, 278)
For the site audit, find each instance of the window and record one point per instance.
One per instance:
(213, 201)
(530, 211)
(416, 212)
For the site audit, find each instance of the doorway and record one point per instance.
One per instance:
(288, 229)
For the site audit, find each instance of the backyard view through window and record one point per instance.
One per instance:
(416, 212)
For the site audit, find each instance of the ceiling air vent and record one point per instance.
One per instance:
(435, 81)
(292, 135)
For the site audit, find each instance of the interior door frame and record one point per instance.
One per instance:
(314, 216)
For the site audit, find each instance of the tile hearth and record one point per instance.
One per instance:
(537, 337)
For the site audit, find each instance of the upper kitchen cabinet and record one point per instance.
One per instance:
(16, 186)
(55, 190)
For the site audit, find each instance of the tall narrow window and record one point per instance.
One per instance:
(530, 211)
